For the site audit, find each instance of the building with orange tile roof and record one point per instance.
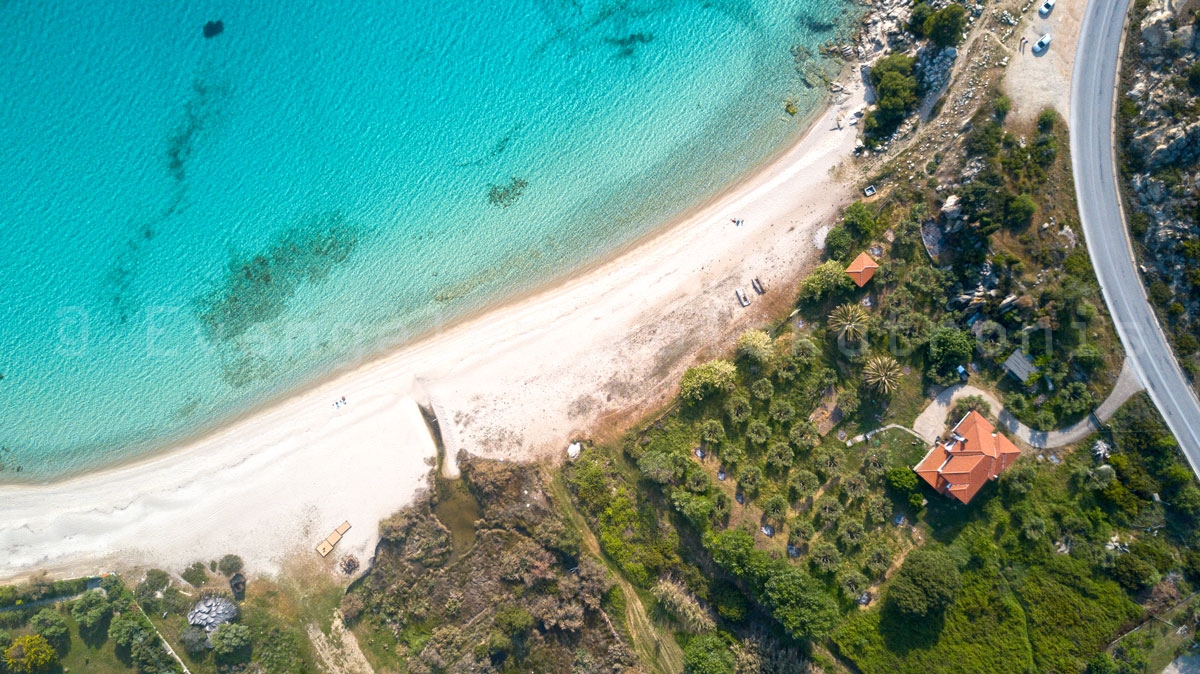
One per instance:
(973, 454)
(862, 269)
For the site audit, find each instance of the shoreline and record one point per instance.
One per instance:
(152, 450)
(607, 338)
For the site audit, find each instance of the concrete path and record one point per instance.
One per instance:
(932, 421)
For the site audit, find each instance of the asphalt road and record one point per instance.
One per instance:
(1093, 88)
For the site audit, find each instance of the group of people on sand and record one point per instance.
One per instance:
(339, 403)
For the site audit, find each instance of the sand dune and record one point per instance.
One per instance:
(517, 382)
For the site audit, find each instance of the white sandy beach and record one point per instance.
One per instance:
(516, 382)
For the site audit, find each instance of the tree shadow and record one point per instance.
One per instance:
(903, 633)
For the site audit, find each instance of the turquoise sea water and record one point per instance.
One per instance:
(191, 226)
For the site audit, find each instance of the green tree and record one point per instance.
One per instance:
(762, 389)
(128, 629)
(882, 373)
(230, 640)
(896, 93)
(920, 13)
(946, 25)
(838, 244)
(713, 377)
(780, 456)
(948, 348)
(758, 432)
(849, 322)
(194, 639)
(1019, 211)
(827, 279)
(712, 432)
(798, 603)
(859, 220)
(52, 626)
(803, 483)
(92, 610)
(30, 654)
(195, 574)
(927, 582)
(756, 345)
(781, 411)
(708, 654)
(738, 408)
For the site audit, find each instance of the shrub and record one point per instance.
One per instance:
(927, 582)
(1001, 106)
(196, 575)
(968, 404)
(708, 654)
(946, 25)
(729, 601)
(229, 565)
(713, 377)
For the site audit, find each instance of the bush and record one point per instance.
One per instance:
(707, 654)
(701, 381)
(948, 348)
(968, 404)
(229, 565)
(1001, 106)
(195, 574)
(927, 582)
(945, 26)
(729, 601)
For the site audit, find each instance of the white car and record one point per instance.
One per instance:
(1046, 8)
(1042, 44)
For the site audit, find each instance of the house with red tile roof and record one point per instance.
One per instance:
(962, 463)
(862, 269)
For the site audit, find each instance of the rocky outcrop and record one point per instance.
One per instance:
(1174, 146)
(934, 66)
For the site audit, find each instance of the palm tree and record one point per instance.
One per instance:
(882, 373)
(849, 321)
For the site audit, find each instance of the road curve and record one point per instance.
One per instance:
(1093, 87)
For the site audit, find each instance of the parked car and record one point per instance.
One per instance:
(1046, 8)
(1042, 45)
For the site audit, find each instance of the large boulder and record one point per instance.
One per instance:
(1176, 147)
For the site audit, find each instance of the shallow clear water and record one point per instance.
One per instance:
(193, 225)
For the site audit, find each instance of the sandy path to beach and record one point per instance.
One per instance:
(516, 382)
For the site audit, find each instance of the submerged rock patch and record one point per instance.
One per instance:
(256, 288)
(506, 195)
